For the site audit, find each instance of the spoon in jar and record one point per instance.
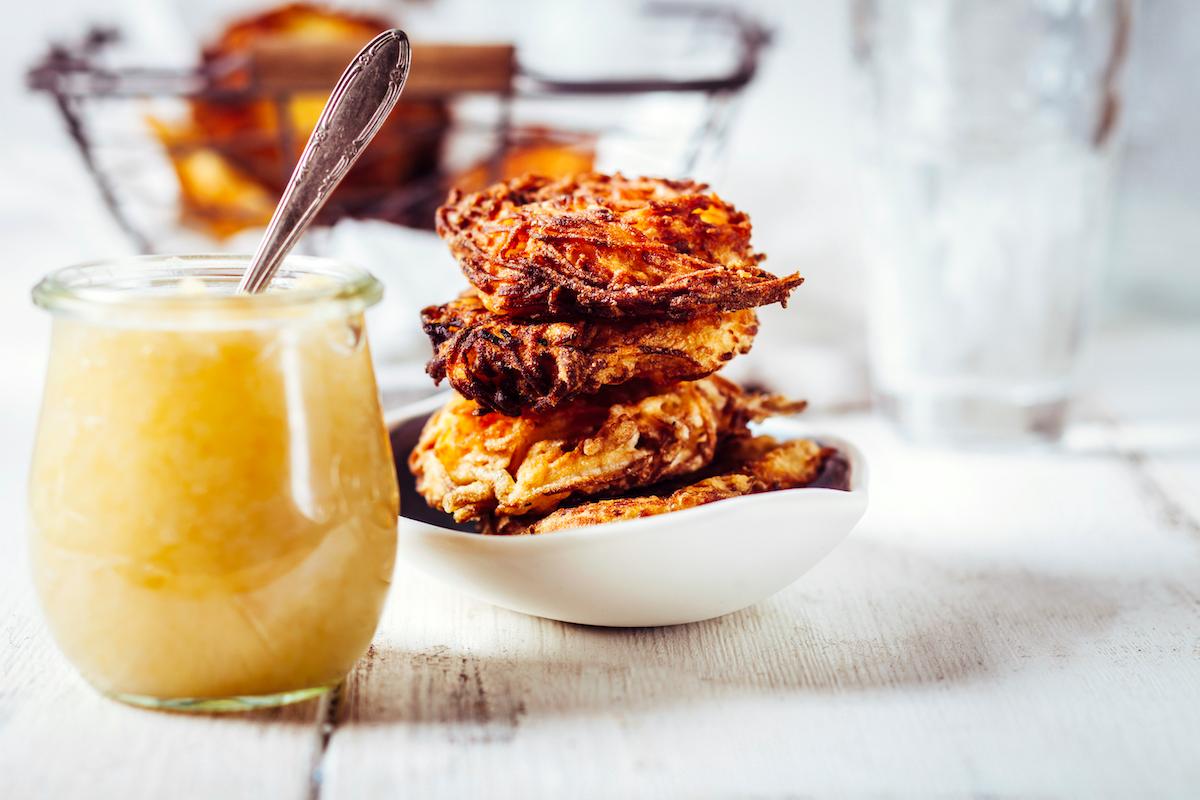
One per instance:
(357, 107)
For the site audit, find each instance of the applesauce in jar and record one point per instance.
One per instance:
(213, 501)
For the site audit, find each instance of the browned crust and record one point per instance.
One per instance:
(745, 466)
(511, 366)
(599, 245)
(469, 463)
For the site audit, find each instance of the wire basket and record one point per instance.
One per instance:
(471, 114)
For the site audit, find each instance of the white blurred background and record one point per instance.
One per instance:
(790, 163)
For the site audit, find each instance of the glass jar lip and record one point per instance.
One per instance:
(128, 284)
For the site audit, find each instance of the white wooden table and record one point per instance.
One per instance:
(999, 625)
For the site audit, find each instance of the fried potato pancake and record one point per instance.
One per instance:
(469, 462)
(599, 245)
(746, 465)
(511, 366)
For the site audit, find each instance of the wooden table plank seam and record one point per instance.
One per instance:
(325, 722)
(1170, 510)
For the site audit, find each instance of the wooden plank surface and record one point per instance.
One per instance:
(59, 738)
(1034, 631)
(1000, 624)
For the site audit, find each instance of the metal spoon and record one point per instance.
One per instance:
(357, 107)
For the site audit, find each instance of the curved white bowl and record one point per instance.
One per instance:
(674, 568)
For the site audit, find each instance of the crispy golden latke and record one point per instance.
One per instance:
(512, 366)
(746, 465)
(607, 246)
(468, 463)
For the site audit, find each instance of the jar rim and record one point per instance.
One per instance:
(144, 283)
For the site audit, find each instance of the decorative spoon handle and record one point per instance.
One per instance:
(358, 106)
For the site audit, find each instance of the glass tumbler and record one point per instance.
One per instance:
(988, 160)
(213, 501)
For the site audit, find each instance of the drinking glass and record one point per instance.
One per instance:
(213, 501)
(988, 160)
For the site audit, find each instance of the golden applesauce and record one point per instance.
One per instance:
(213, 499)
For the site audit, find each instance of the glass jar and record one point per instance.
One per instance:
(213, 499)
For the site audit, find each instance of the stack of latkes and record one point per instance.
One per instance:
(583, 354)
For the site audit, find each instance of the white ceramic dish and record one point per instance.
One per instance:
(673, 568)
